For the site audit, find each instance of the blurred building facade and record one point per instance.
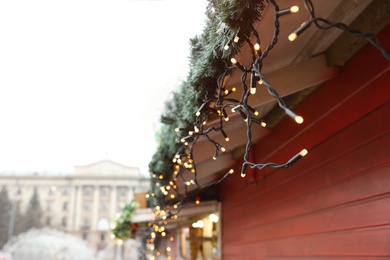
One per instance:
(83, 204)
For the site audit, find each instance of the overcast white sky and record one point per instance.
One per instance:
(83, 80)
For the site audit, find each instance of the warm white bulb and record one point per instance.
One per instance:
(227, 139)
(197, 113)
(263, 124)
(236, 39)
(226, 47)
(253, 90)
(233, 60)
(292, 36)
(243, 175)
(303, 152)
(223, 149)
(231, 171)
(298, 119)
(257, 46)
(294, 9)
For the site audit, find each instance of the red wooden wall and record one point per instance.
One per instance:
(335, 202)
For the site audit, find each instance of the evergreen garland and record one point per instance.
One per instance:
(123, 227)
(208, 60)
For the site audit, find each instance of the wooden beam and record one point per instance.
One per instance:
(292, 79)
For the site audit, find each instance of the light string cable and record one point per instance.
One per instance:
(325, 24)
(256, 76)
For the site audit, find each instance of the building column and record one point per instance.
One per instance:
(71, 207)
(78, 205)
(95, 207)
(113, 201)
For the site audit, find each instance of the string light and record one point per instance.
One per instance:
(216, 105)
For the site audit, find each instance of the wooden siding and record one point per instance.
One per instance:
(335, 202)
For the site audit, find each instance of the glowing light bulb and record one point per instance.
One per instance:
(227, 139)
(233, 60)
(256, 113)
(168, 249)
(214, 158)
(234, 89)
(298, 119)
(147, 196)
(257, 46)
(236, 38)
(226, 47)
(177, 129)
(263, 124)
(197, 113)
(292, 36)
(172, 196)
(253, 90)
(231, 171)
(243, 174)
(223, 149)
(298, 31)
(303, 152)
(294, 9)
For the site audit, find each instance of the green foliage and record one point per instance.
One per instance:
(208, 60)
(5, 215)
(34, 212)
(123, 226)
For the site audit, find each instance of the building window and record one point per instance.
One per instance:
(49, 206)
(18, 191)
(122, 191)
(52, 190)
(87, 205)
(65, 205)
(103, 206)
(86, 223)
(104, 191)
(87, 190)
(66, 191)
(64, 221)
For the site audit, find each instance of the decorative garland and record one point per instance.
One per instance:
(122, 228)
(204, 96)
